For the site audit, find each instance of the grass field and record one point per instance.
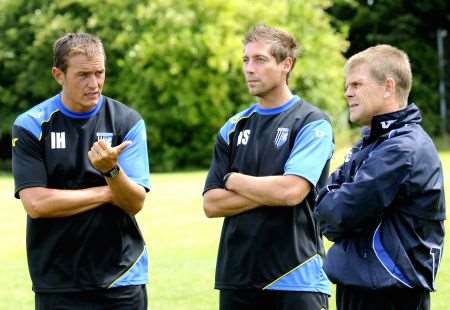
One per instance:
(182, 241)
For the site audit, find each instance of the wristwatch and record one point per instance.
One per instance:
(112, 173)
(225, 179)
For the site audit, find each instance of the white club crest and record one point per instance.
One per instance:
(281, 137)
(107, 136)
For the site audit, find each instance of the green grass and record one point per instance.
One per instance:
(182, 242)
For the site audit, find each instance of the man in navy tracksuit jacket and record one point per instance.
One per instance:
(384, 207)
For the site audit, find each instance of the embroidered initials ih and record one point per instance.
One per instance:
(58, 140)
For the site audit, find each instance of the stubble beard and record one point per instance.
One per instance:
(261, 92)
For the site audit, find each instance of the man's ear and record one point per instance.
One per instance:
(287, 64)
(389, 87)
(58, 75)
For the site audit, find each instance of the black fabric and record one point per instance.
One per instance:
(119, 298)
(353, 298)
(91, 249)
(67, 168)
(258, 246)
(271, 300)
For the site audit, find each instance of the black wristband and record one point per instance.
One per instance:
(225, 179)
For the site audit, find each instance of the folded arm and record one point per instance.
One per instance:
(41, 202)
(357, 206)
(126, 194)
(220, 202)
(282, 190)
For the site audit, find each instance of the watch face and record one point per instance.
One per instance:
(114, 172)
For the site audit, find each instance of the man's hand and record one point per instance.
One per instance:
(103, 157)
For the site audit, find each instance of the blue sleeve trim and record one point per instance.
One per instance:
(136, 275)
(307, 277)
(313, 147)
(386, 261)
(33, 119)
(134, 159)
(230, 125)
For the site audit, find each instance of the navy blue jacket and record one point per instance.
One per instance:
(384, 208)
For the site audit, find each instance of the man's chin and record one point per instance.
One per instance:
(255, 92)
(91, 101)
(251, 91)
(89, 105)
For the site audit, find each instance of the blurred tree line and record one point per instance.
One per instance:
(179, 62)
(411, 26)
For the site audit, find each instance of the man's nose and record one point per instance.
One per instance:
(249, 67)
(348, 92)
(92, 81)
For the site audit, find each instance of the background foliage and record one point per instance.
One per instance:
(411, 26)
(177, 62)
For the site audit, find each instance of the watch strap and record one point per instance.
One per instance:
(112, 173)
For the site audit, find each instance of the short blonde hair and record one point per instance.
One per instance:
(386, 61)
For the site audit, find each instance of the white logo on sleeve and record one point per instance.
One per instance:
(37, 114)
(58, 140)
(320, 133)
(243, 137)
(348, 156)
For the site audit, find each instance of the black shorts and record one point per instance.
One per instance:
(118, 298)
(354, 298)
(272, 300)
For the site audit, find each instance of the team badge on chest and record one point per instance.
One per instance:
(281, 137)
(107, 136)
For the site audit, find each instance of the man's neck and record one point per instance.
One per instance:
(276, 98)
(390, 106)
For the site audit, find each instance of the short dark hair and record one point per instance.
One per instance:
(74, 44)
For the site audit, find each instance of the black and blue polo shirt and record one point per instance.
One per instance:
(273, 248)
(99, 248)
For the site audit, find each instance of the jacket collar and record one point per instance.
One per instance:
(382, 124)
